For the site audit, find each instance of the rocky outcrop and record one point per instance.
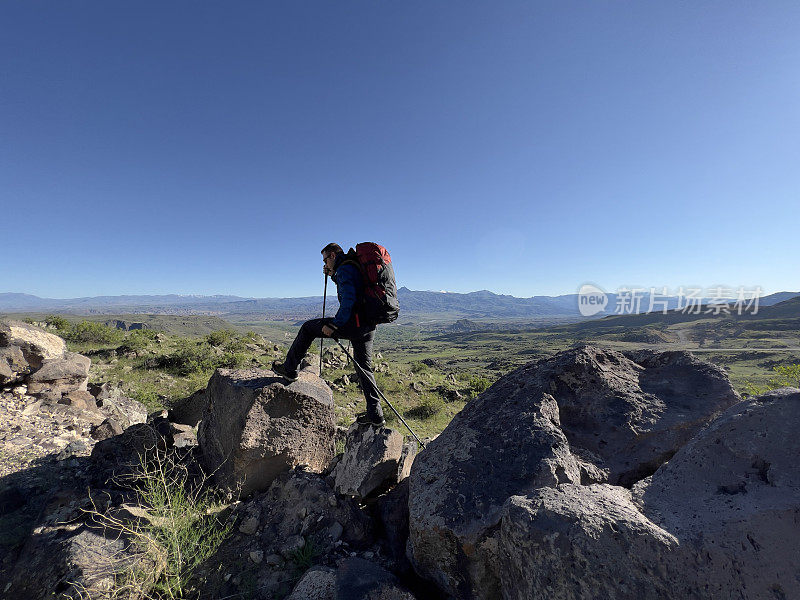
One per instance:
(36, 344)
(59, 376)
(373, 458)
(302, 504)
(631, 413)
(575, 542)
(125, 411)
(256, 427)
(505, 442)
(731, 497)
(584, 416)
(70, 562)
(719, 520)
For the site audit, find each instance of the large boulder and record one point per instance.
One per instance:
(719, 520)
(373, 459)
(71, 562)
(58, 376)
(630, 414)
(574, 542)
(584, 416)
(505, 442)
(732, 498)
(36, 344)
(254, 427)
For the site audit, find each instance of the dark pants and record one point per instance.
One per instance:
(361, 337)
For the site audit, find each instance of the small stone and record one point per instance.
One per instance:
(249, 526)
(335, 531)
(108, 428)
(257, 556)
(369, 555)
(292, 544)
(274, 560)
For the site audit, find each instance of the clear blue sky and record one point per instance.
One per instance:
(522, 147)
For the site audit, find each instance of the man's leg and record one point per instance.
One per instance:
(362, 352)
(305, 337)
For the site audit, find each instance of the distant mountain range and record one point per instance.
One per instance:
(415, 305)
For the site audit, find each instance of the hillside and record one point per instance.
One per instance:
(415, 306)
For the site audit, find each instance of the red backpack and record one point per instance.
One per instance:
(380, 289)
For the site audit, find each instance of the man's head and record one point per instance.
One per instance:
(329, 254)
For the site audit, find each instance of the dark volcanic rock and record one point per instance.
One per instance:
(360, 579)
(373, 458)
(574, 542)
(505, 442)
(58, 376)
(719, 520)
(586, 415)
(256, 427)
(632, 413)
(70, 563)
(731, 497)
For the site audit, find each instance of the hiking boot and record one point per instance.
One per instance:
(365, 419)
(280, 369)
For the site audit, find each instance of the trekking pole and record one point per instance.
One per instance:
(394, 410)
(322, 339)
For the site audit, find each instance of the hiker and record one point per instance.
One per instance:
(351, 322)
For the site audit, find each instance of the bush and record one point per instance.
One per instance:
(181, 530)
(189, 357)
(93, 333)
(785, 376)
(220, 337)
(233, 360)
(428, 406)
(478, 384)
(137, 340)
(419, 367)
(56, 321)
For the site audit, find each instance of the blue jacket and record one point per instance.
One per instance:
(348, 287)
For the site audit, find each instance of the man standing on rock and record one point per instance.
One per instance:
(347, 324)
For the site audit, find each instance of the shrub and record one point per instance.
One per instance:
(428, 406)
(303, 559)
(220, 337)
(137, 340)
(478, 384)
(785, 376)
(189, 357)
(419, 367)
(56, 321)
(94, 333)
(181, 530)
(233, 360)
